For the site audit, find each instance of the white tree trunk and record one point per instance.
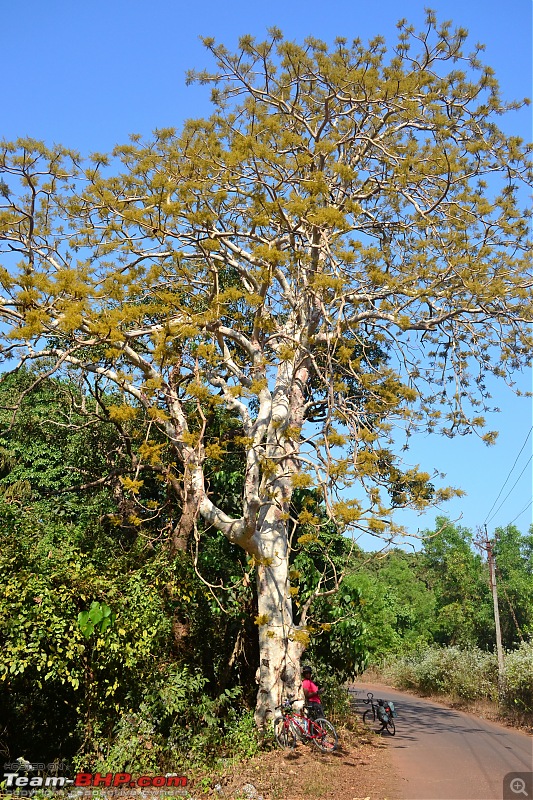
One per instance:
(279, 651)
(281, 643)
(262, 532)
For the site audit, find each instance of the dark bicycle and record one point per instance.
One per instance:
(292, 725)
(382, 711)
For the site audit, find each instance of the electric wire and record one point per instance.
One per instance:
(507, 478)
(521, 512)
(512, 487)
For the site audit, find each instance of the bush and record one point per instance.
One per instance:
(178, 725)
(175, 725)
(335, 699)
(519, 678)
(469, 674)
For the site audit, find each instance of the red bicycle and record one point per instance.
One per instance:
(292, 725)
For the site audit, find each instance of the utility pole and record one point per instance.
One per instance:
(484, 543)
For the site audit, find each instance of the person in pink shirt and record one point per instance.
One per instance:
(312, 698)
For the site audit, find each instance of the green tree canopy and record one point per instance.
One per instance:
(514, 577)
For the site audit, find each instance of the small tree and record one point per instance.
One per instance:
(331, 252)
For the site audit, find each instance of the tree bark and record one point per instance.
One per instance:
(182, 531)
(279, 650)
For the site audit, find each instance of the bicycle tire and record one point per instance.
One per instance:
(391, 727)
(284, 734)
(369, 716)
(324, 735)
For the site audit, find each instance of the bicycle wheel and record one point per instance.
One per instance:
(324, 735)
(391, 727)
(369, 716)
(284, 733)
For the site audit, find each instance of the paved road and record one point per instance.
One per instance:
(442, 754)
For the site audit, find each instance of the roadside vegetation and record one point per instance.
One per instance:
(431, 615)
(119, 654)
(467, 674)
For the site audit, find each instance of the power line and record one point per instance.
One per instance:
(521, 512)
(512, 487)
(507, 478)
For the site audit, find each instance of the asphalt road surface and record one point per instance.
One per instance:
(442, 754)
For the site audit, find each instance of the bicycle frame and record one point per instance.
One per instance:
(308, 728)
(374, 706)
(291, 726)
(387, 724)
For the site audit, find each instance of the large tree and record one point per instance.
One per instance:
(339, 248)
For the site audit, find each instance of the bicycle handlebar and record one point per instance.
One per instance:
(288, 702)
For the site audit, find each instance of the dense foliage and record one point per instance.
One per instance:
(115, 649)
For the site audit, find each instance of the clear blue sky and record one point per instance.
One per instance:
(88, 74)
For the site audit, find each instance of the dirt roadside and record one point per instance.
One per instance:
(359, 770)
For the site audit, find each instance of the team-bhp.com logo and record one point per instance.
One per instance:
(88, 780)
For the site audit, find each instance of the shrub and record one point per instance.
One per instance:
(469, 674)
(335, 699)
(177, 725)
(519, 678)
